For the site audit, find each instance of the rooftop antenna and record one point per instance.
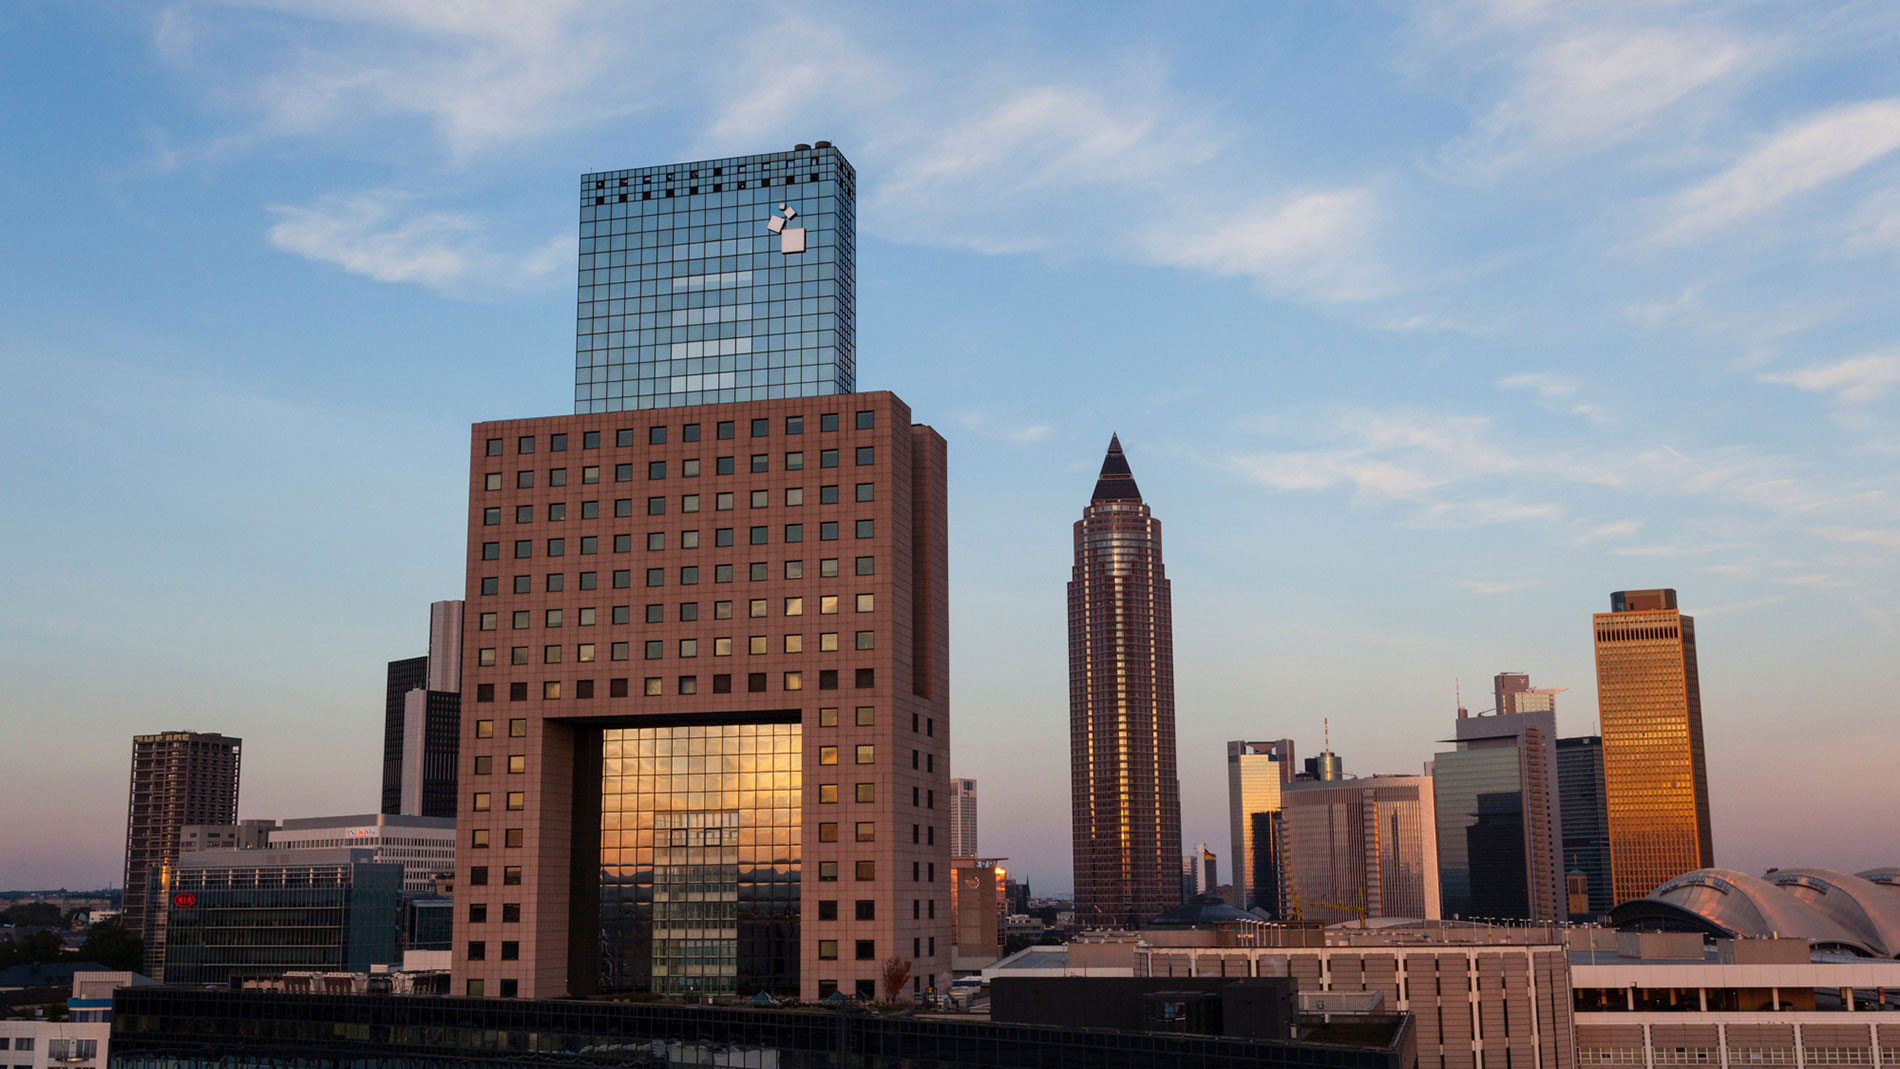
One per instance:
(1458, 690)
(1326, 732)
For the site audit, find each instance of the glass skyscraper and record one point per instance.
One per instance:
(717, 281)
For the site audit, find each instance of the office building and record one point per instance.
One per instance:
(1125, 797)
(669, 781)
(1655, 782)
(1256, 774)
(422, 716)
(1199, 872)
(1586, 836)
(178, 778)
(963, 818)
(1327, 766)
(237, 913)
(1364, 847)
(83, 1040)
(1496, 801)
(717, 281)
(423, 846)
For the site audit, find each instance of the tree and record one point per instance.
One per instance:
(34, 948)
(34, 915)
(109, 944)
(896, 971)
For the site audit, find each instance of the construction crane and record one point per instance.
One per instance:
(1357, 908)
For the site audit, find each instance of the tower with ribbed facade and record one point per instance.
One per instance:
(1126, 799)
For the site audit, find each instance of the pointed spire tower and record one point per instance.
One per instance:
(1125, 794)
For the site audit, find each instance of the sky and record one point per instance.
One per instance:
(1425, 327)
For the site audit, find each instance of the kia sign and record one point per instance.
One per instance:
(184, 900)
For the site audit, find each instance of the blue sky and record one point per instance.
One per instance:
(1425, 327)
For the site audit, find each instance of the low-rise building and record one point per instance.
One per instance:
(83, 1040)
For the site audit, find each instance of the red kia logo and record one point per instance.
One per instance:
(184, 900)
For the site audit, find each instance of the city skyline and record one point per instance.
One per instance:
(1427, 340)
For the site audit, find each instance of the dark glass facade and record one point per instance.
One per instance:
(404, 676)
(1480, 803)
(1125, 796)
(264, 919)
(1586, 835)
(700, 847)
(717, 281)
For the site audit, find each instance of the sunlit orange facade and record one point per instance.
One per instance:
(1655, 780)
(1125, 796)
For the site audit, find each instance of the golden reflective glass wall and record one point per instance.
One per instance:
(699, 859)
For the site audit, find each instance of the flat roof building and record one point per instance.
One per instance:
(178, 778)
(1363, 847)
(706, 735)
(1256, 774)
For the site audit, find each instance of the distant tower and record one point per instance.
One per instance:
(1351, 844)
(1586, 836)
(1655, 782)
(1496, 797)
(422, 722)
(1256, 774)
(962, 818)
(178, 778)
(1126, 798)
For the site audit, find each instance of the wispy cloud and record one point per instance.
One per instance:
(1801, 156)
(981, 422)
(1601, 532)
(1314, 244)
(382, 236)
(1582, 86)
(1853, 381)
(1883, 538)
(1498, 586)
(1545, 384)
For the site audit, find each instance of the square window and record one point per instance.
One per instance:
(794, 496)
(491, 550)
(827, 604)
(590, 580)
(761, 428)
(517, 692)
(655, 649)
(867, 792)
(524, 444)
(866, 455)
(827, 871)
(794, 532)
(761, 462)
(722, 465)
(478, 876)
(590, 474)
(653, 688)
(689, 539)
(524, 547)
(722, 647)
(867, 420)
(722, 683)
(756, 608)
(517, 763)
(511, 913)
(794, 424)
(490, 585)
(866, 529)
(758, 536)
(550, 655)
(584, 652)
(722, 610)
(477, 950)
(827, 832)
(867, 640)
(828, 718)
(827, 755)
(623, 473)
(794, 569)
(590, 439)
(656, 506)
(689, 647)
(477, 839)
(483, 801)
(867, 602)
(689, 684)
(828, 421)
(724, 428)
(827, 495)
(513, 837)
(510, 951)
(623, 506)
(689, 575)
(867, 678)
(794, 681)
(867, 491)
(623, 437)
(828, 531)
(867, 565)
(828, 793)
(485, 656)
(722, 502)
(794, 643)
(557, 547)
(828, 948)
(590, 545)
(827, 642)
(619, 651)
(518, 728)
(524, 480)
(722, 573)
(517, 800)
(828, 679)
(617, 688)
(722, 536)
(494, 447)
(587, 616)
(484, 729)
(828, 568)
(557, 476)
(867, 715)
(489, 620)
(794, 606)
(656, 576)
(689, 469)
(656, 435)
(867, 831)
(518, 655)
(511, 876)
(557, 511)
(689, 610)
(557, 443)
(484, 692)
(866, 754)
(867, 870)
(491, 481)
(867, 909)
(523, 514)
(492, 517)
(689, 502)
(755, 644)
(689, 433)
(794, 461)
(827, 458)
(656, 469)
(755, 682)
